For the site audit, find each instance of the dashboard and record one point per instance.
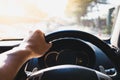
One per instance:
(88, 56)
(68, 51)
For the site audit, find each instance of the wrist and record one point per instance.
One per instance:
(23, 52)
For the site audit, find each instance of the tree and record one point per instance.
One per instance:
(77, 8)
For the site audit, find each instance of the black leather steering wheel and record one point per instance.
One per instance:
(73, 72)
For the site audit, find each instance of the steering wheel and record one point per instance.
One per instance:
(74, 72)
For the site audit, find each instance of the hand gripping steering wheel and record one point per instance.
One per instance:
(74, 72)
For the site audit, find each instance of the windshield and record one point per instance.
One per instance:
(18, 17)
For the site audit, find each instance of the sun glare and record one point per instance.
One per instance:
(10, 8)
(14, 11)
(53, 7)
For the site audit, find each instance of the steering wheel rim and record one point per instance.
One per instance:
(89, 38)
(85, 37)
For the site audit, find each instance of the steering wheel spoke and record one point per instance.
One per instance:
(68, 72)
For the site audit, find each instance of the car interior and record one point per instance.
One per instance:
(74, 55)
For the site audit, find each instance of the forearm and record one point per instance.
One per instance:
(32, 46)
(11, 62)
